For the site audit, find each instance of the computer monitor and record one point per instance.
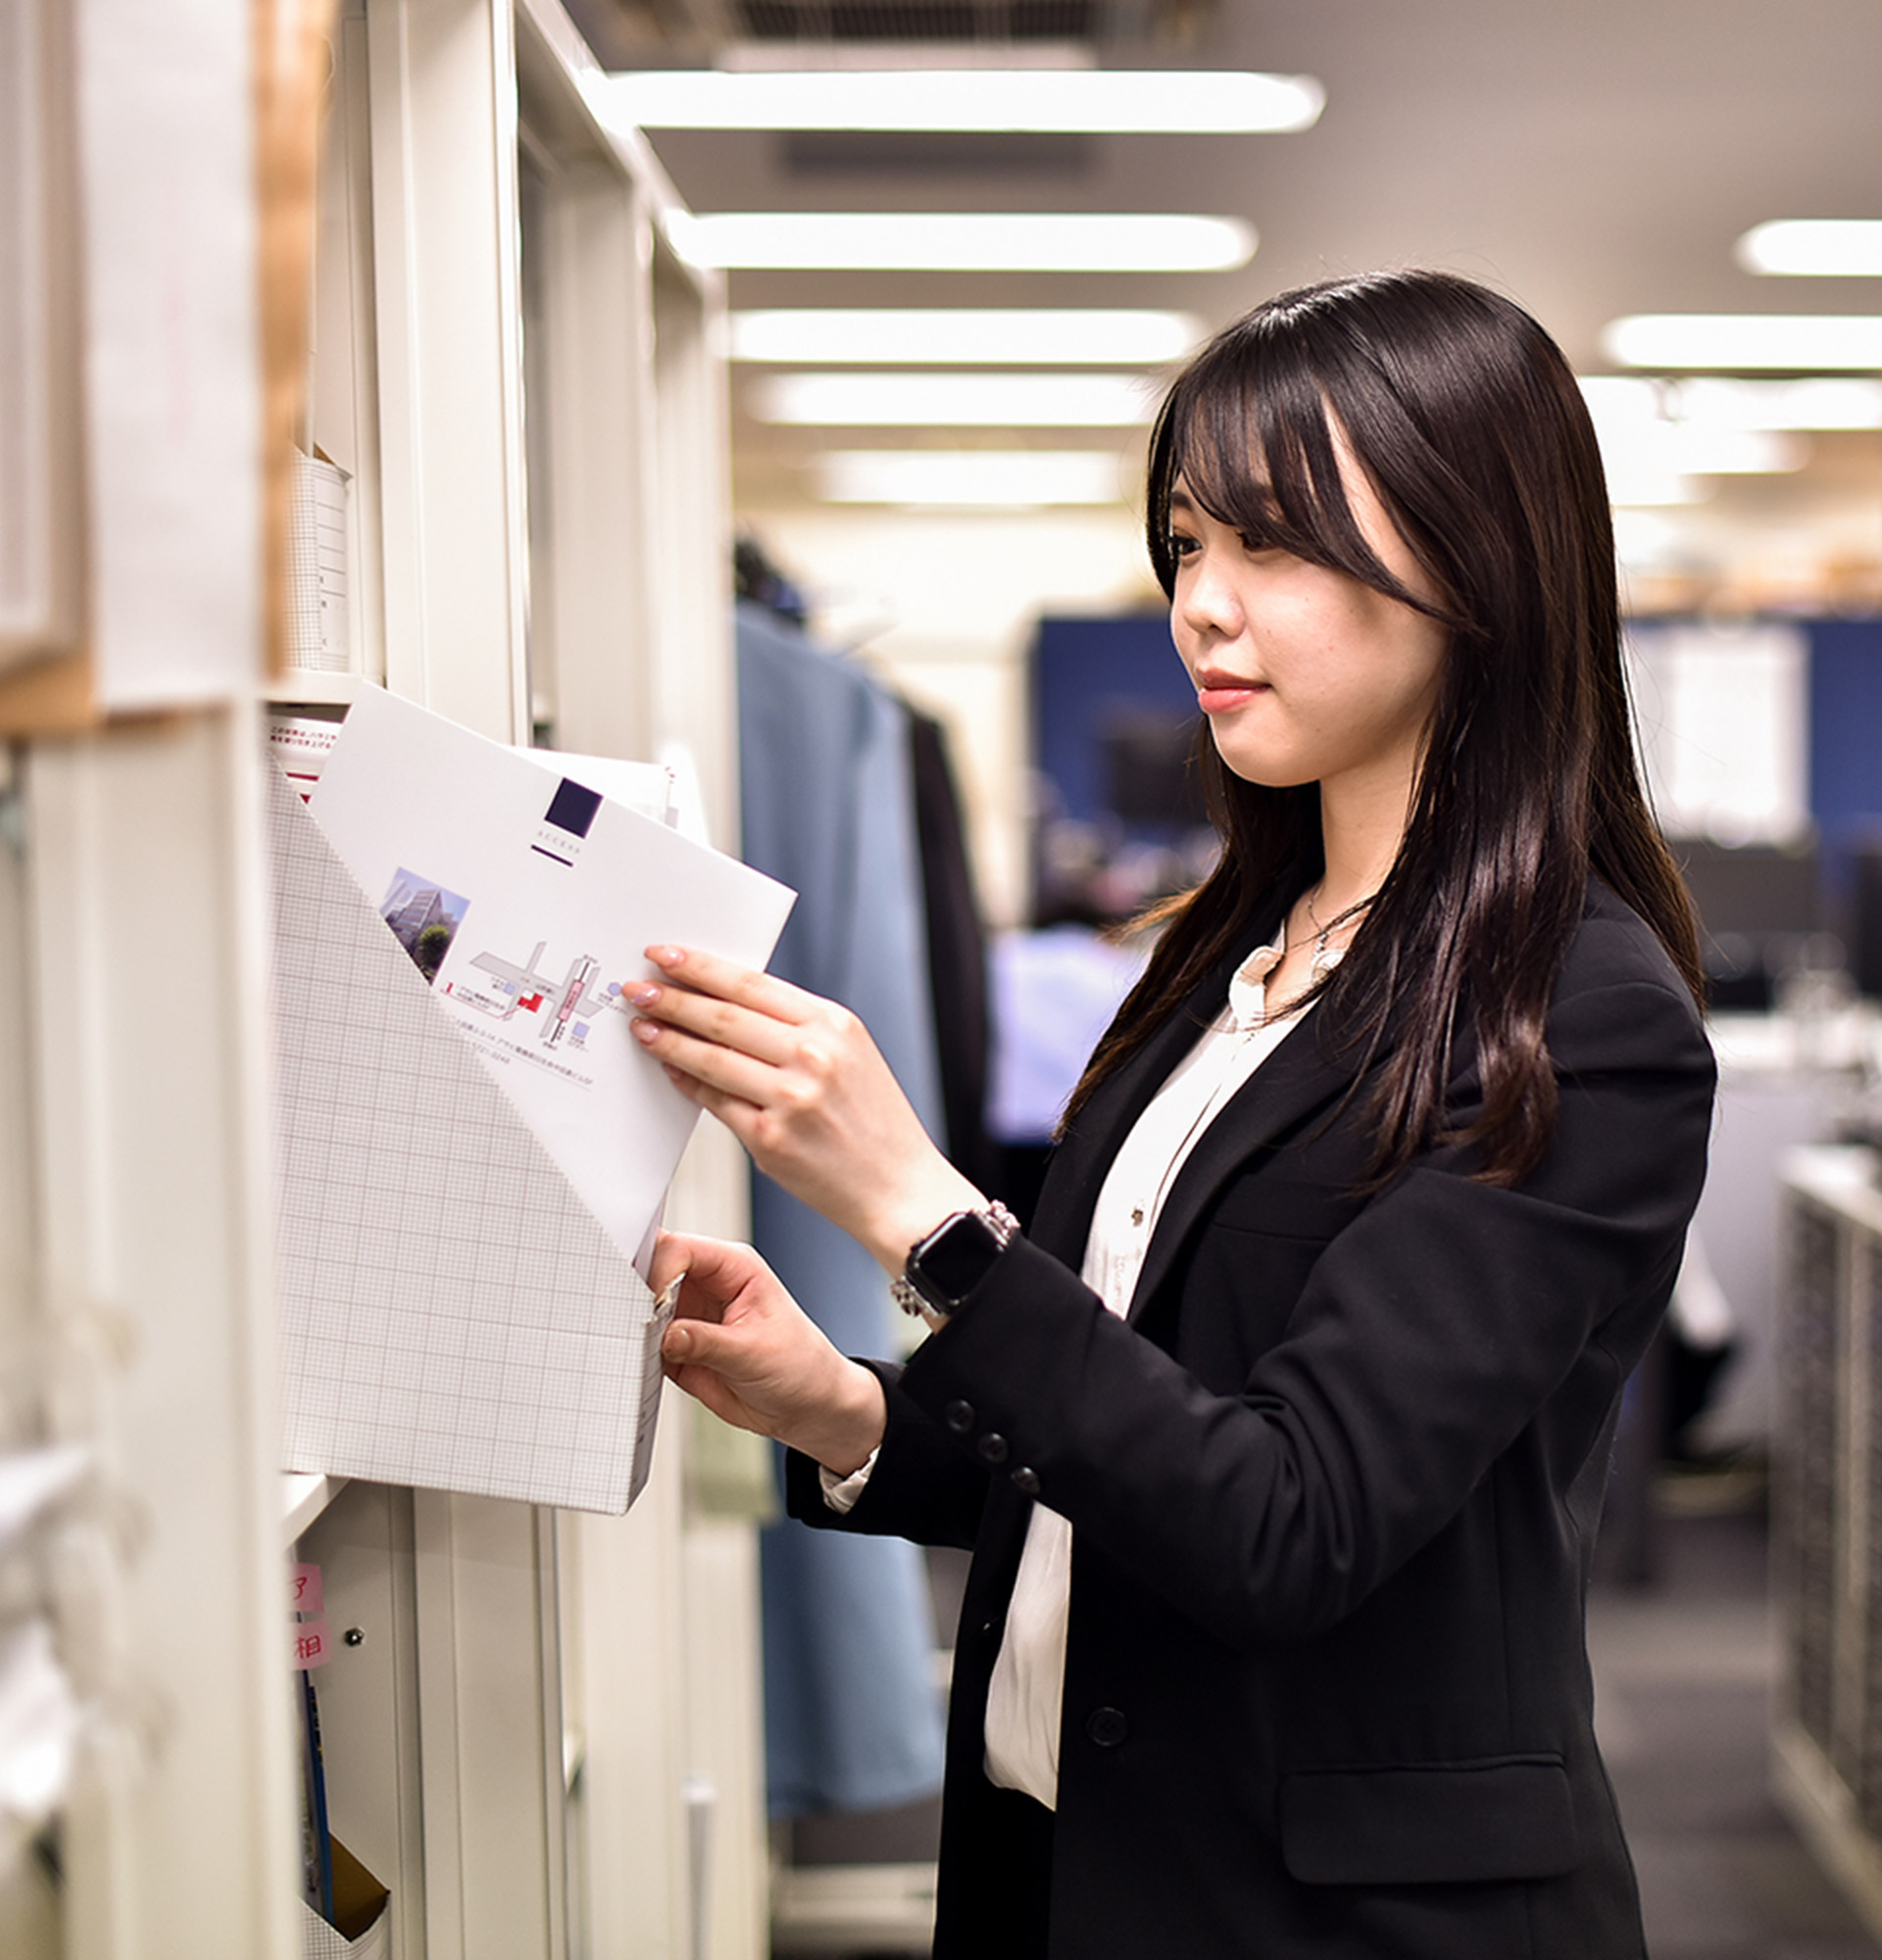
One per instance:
(1865, 919)
(1756, 904)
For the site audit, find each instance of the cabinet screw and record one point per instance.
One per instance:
(354, 1636)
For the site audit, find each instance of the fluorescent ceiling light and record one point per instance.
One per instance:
(939, 401)
(1620, 398)
(1162, 101)
(1695, 450)
(1654, 452)
(1013, 479)
(962, 336)
(1646, 423)
(1642, 535)
(1819, 402)
(1745, 340)
(1815, 247)
(1028, 241)
(1637, 488)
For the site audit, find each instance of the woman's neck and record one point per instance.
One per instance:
(1362, 828)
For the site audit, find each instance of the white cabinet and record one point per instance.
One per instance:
(1826, 1535)
(545, 1739)
(517, 377)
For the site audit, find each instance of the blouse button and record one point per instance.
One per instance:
(1136, 1215)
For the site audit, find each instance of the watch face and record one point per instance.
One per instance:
(949, 1265)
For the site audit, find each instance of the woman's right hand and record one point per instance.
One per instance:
(798, 1081)
(742, 1345)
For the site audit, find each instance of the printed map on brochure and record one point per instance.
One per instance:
(526, 897)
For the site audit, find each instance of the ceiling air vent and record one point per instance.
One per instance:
(935, 22)
(630, 34)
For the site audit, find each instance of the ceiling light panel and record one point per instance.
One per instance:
(964, 337)
(1815, 248)
(964, 479)
(1631, 488)
(1108, 101)
(963, 241)
(955, 401)
(1821, 402)
(1818, 402)
(1739, 340)
(1643, 436)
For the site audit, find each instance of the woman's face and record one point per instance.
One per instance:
(1305, 674)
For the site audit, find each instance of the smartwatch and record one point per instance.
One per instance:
(947, 1265)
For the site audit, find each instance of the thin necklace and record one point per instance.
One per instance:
(1323, 933)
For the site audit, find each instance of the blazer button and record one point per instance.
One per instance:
(991, 1449)
(1026, 1482)
(1106, 1726)
(959, 1417)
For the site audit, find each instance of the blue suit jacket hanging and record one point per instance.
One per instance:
(851, 1717)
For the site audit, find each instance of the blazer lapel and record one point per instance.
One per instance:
(1296, 1081)
(1062, 1220)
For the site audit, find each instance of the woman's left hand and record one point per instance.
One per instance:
(744, 1347)
(800, 1083)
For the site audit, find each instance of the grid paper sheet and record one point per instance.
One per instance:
(453, 1316)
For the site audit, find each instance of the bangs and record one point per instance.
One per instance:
(1255, 435)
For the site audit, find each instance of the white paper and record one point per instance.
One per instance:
(302, 743)
(549, 892)
(39, 1720)
(647, 788)
(30, 1480)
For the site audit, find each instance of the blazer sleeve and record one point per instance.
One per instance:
(1432, 1332)
(921, 1488)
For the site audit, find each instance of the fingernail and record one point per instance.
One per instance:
(676, 1343)
(665, 956)
(645, 1032)
(643, 996)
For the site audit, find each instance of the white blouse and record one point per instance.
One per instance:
(1029, 1671)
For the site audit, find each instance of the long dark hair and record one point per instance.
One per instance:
(1469, 425)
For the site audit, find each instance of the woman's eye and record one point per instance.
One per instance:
(1181, 547)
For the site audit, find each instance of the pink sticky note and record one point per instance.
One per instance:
(304, 1589)
(312, 1645)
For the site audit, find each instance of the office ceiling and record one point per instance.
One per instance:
(1591, 157)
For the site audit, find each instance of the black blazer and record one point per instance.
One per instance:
(1334, 1485)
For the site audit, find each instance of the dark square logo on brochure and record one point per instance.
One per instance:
(571, 809)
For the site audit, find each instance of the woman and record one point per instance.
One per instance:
(1282, 1512)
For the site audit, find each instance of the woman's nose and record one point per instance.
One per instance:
(1206, 601)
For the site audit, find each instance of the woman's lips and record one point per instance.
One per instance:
(1217, 693)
